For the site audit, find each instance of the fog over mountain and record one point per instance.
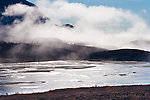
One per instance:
(99, 26)
(60, 29)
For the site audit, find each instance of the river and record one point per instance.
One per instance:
(32, 77)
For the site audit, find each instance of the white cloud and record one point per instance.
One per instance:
(100, 26)
(144, 11)
(18, 9)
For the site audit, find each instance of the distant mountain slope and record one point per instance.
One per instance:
(5, 3)
(8, 20)
(121, 55)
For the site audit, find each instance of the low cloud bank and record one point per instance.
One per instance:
(99, 26)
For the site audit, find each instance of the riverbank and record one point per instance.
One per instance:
(136, 92)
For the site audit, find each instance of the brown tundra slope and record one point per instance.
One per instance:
(93, 93)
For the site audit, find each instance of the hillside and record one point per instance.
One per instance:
(14, 52)
(121, 55)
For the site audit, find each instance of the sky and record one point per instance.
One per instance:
(140, 7)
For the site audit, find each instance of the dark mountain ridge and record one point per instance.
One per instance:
(121, 55)
(20, 52)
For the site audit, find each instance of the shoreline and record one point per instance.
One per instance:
(29, 61)
(126, 92)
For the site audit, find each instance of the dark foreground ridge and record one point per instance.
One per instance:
(94, 93)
